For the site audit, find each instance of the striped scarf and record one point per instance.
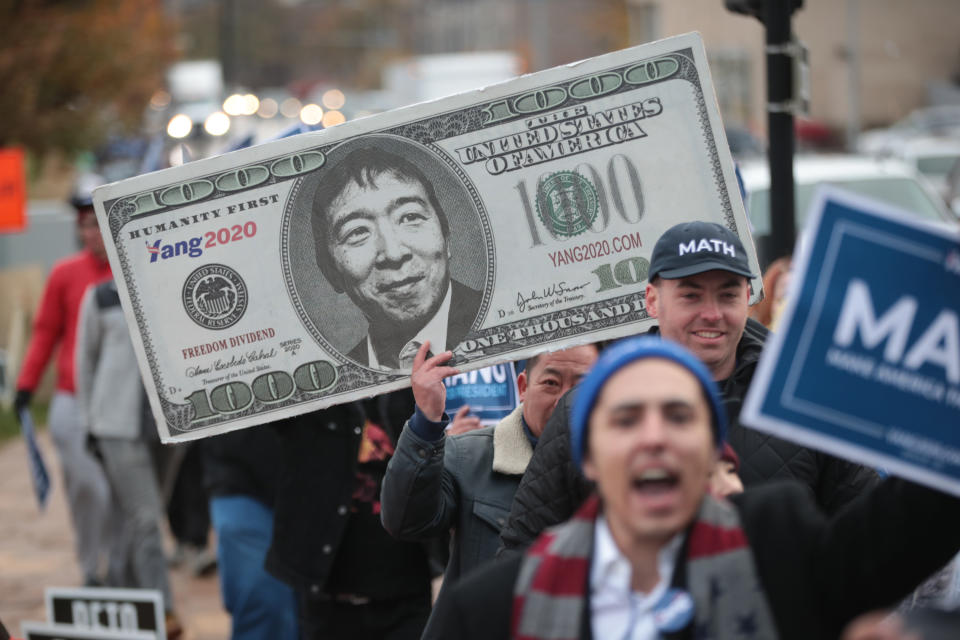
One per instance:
(720, 576)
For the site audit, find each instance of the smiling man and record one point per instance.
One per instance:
(382, 237)
(699, 291)
(653, 556)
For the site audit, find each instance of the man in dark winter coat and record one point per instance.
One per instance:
(351, 578)
(699, 292)
(653, 555)
(466, 483)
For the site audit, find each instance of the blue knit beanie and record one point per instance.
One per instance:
(620, 355)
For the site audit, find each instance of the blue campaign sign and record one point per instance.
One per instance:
(866, 364)
(491, 392)
(38, 468)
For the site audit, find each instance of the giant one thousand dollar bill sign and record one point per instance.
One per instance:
(499, 223)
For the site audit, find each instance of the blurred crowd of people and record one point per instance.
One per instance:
(121, 484)
(621, 498)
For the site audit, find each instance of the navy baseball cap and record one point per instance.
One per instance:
(690, 248)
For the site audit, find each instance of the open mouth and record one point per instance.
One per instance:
(655, 482)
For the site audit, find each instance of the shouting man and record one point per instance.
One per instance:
(653, 555)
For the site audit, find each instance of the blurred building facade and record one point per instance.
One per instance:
(872, 61)
(545, 33)
(346, 41)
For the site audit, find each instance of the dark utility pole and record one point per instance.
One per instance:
(228, 52)
(781, 102)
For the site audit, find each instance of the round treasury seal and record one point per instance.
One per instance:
(567, 203)
(215, 296)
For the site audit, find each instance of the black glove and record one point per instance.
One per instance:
(93, 446)
(21, 400)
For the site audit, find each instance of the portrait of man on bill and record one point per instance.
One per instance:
(382, 237)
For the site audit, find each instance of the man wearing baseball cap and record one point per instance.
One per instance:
(699, 290)
(653, 555)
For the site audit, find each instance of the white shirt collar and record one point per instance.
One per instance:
(435, 331)
(614, 607)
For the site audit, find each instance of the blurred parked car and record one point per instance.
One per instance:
(943, 120)
(888, 180)
(743, 144)
(934, 158)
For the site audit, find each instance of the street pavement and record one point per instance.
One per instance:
(36, 551)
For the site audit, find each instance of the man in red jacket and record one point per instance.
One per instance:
(88, 493)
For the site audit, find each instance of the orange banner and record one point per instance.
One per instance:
(13, 191)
